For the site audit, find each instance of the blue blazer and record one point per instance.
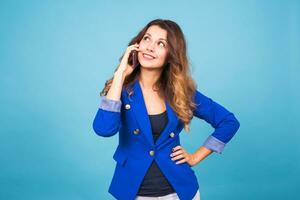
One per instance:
(137, 150)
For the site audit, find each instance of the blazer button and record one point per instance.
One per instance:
(136, 131)
(172, 134)
(127, 106)
(151, 153)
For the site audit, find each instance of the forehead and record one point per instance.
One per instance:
(157, 32)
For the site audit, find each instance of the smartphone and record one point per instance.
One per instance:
(133, 60)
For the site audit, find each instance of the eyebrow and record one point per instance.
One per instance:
(159, 38)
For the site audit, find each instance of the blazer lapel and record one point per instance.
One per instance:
(140, 113)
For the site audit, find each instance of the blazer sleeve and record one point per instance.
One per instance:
(107, 121)
(222, 120)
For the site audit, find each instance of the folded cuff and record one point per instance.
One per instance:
(110, 104)
(214, 144)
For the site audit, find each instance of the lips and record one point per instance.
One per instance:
(148, 56)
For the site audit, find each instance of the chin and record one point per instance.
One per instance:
(151, 66)
(147, 66)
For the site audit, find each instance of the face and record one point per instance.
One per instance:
(153, 48)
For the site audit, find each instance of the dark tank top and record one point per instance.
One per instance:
(155, 183)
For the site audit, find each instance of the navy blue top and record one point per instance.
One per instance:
(154, 183)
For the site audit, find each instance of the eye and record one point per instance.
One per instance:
(162, 43)
(145, 38)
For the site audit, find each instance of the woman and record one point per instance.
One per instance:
(149, 104)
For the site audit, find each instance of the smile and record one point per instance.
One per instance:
(148, 57)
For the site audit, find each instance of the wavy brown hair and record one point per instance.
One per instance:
(175, 81)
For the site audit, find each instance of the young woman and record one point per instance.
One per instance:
(149, 104)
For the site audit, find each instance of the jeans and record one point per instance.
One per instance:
(172, 196)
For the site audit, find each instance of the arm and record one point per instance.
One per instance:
(221, 119)
(107, 121)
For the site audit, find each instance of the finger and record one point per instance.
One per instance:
(134, 45)
(181, 161)
(133, 48)
(180, 150)
(137, 49)
(130, 48)
(176, 153)
(176, 148)
(177, 157)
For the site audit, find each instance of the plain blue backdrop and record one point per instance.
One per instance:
(55, 57)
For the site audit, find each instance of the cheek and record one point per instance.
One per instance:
(162, 56)
(140, 53)
(142, 46)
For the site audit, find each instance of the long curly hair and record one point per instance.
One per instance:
(175, 81)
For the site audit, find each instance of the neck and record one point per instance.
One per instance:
(148, 77)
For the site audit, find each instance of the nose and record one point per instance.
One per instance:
(150, 47)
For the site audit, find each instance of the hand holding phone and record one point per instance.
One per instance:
(133, 60)
(129, 60)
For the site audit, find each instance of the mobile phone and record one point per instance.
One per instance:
(133, 60)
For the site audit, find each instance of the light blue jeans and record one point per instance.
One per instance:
(172, 196)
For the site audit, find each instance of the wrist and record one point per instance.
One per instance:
(120, 73)
(195, 160)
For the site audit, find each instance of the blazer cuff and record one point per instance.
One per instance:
(214, 144)
(110, 104)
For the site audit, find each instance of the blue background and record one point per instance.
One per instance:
(55, 57)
